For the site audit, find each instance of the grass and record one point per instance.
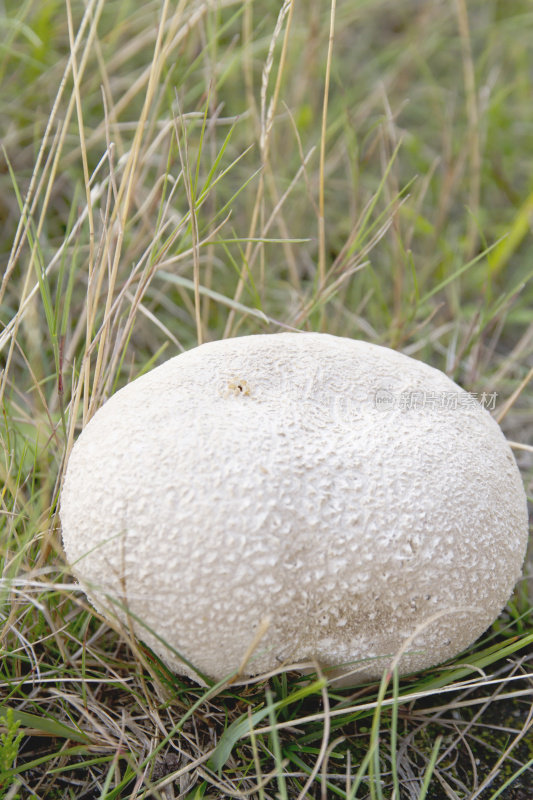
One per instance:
(176, 172)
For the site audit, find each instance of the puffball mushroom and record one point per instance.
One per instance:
(297, 497)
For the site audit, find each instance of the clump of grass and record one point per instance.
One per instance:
(173, 173)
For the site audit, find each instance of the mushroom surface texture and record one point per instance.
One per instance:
(295, 498)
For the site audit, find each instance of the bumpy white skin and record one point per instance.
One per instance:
(279, 477)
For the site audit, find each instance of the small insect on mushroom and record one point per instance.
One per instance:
(237, 387)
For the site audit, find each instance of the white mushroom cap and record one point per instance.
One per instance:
(285, 478)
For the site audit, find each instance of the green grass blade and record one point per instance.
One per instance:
(241, 726)
(49, 726)
(430, 767)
